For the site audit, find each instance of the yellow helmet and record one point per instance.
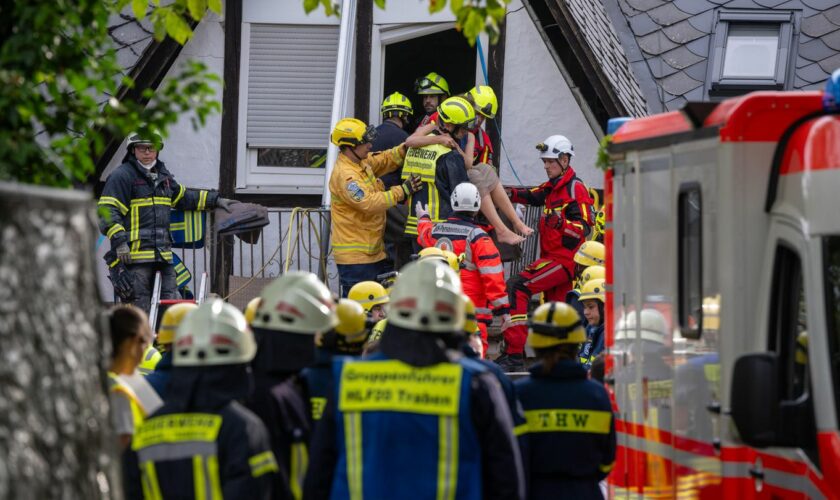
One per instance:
(592, 273)
(251, 309)
(172, 317)
(593, 290)
(600, 221)
(591, 253)
(434, 253)
(396, 104)
(596, 198)
(368, 294)
(151, 357)
(555, 323)
(376, 331)
(350, 334)
(352, 132)
(431, 84)
(470, 319)
(484, 100)
(457, 111)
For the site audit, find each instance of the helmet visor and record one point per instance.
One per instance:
(425, 84)
(370, 134)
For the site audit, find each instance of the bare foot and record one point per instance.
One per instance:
(524, 230)
(509, 237)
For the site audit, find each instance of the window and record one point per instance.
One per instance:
(751, 51)
(689, 220)
(831, 254)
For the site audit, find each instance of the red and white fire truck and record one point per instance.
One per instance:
(723, 314)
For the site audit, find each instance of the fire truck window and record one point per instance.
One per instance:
(690, 262)
(831, 254)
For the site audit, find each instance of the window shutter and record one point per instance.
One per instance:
(291, 77)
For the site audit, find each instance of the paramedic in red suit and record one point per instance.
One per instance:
(565, 223)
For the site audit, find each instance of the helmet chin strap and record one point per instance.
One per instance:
(353, 151)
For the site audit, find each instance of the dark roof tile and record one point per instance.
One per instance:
(832, 40)
(697, 71)
(643, 25)
(820, 4)
(656, 43)
(675, 104)
(812, 73)
(668, 14)
(817, 26)
(813, 86)
(682, 32)
(645, 5)
(830, 64)
(700, 46)
(695, 95)
(769, 3)
(742, 4)
(679, 83)
(833, 14)
(804, 10)
(693, 7)
(720, 2)
(681, 58)
(626, 9)
(704, 22)
(815, 50)
(659, 68)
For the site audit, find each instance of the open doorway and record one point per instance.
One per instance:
(444, 52)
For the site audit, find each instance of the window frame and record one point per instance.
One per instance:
(693, 332)
(832, 323)
(718, 85)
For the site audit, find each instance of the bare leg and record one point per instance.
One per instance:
(500, 198)
(504, 234)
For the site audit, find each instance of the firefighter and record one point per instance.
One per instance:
(482, 274)
(409, 422)
(564, 411)
(432, 89)
(566, 220)
(346, 339)
(172, 318)
(360, 200)
(439, 167)
(134, 214)
(587, 274)
(202, 443)
(447, 257)
(599, 229)
(372, 296)
(396, 113)
(295, 308)
(151, 358)
(592, 297)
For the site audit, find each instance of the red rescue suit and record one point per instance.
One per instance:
(565, 223)
(482, 274)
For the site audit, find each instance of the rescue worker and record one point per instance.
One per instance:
(415, 420)
(432, 89)
(587, 274)
(151, 358)
(592, 297)
(570, 430)
(172, 318)
(482, 274)
(566, 220)
(600, 227)
(445, 256)
(359, 202)
(132, 398)
(134, 214)
(373, 298)
(439, 167)
(202, 443)
(346, 339)
(294, 309)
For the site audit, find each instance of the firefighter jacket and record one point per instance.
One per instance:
(567, 214)
(318, 380)
(440, 169)
(482, 274)
(570, 432)
(359, 203)
(138, 208)
(202, 443)
(399, 430)
(594, 344)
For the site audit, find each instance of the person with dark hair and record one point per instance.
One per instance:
(592, 296)
(564, 410)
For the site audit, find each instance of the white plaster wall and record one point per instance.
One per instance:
(537, 103)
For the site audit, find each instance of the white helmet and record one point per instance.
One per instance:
(215, 333)
(465, 198)
(554, 146)
(652, 326)
(427, 298)
(297, 302)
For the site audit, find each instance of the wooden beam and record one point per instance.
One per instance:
(364, 32)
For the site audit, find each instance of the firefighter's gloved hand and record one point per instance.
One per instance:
(420, 210)
(412, 184)
(124, 253)
(225, 204)
(554, 220)
(123, 281)
(506, 322)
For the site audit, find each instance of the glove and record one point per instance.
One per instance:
(123, 281)
(420, 210)
(124, 253)
(225, 203)
(412, 185)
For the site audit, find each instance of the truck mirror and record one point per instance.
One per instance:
(756, 399)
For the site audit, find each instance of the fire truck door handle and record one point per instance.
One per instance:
(714, 407)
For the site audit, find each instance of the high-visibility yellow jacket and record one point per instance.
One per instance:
(359, 203)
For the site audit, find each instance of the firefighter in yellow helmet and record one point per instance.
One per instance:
(151, 358)
(396, 114)
(586, 275)
(432, 89)
(592, 297)
(564, 410)
(372, 296)
(172, 319)
(202, 443)
(404, 432)
(445, 256)
(360, 200)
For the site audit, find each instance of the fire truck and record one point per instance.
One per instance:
(723, 313)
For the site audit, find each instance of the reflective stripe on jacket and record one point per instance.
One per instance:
(359, 202)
